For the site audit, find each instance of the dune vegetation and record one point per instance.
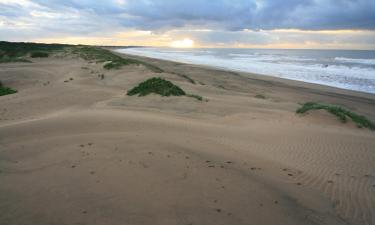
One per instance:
(18, 51)
(6, 90)
(39, 55)
(198, 97)
(341, 113)
(111, 60)
(160, 86)
(186, 77)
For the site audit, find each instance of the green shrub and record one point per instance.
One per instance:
(6, 90)
(161, 87)
(39, 55)
(156, 85)
(341, 113)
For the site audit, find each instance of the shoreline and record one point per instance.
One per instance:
(255, 75)
(313, 88)
(243, 71)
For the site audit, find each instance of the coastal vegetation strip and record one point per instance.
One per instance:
(39, 55)
(161, 87)
(111, 60)
(341, 113)
(19, 51)
(22, 52)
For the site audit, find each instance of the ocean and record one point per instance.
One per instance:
(347, 69)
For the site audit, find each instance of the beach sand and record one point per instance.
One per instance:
(74, 149)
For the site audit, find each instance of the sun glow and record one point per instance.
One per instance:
(186, 43)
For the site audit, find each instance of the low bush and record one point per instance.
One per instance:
(341, 113)
(156, 85)
(6, 90)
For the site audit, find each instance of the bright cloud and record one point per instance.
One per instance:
(185, 43)
(240, 23)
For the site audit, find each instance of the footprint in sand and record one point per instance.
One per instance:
(144, 165)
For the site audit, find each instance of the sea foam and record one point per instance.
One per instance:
(325, 67)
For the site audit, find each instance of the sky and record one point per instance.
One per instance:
(315, 24)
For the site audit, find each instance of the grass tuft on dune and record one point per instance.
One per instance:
(198, 97)
(341, 113)
(6, 90)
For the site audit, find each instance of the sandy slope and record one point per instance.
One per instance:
(82, 152)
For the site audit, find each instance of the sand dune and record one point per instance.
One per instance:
(74, 149)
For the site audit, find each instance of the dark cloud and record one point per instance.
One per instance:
(225, 21)
(251, 14)
(223, 14)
